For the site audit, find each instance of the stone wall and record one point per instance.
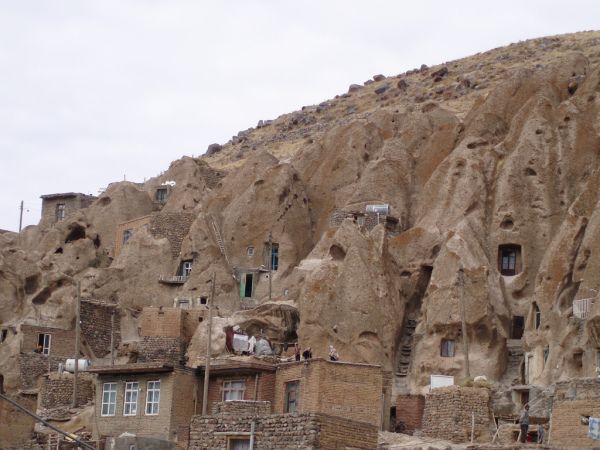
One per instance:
(242, 408)
(448, 414)
(62, 342)
(34, 365)
(211, 176)
(161, 349)
(325, 387)
(56, 390)
(96, 326)
(173, 226)
(573, 400)
(367, 220)
(282, 432)
(409, 413)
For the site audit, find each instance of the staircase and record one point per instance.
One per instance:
(512, 375)
(406, 344)
(219, 238)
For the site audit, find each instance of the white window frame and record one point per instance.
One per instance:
(47, 342)
(152, 398)
(60, 211)
(130, 398)
(109, 399)
(230, 390)
(186, 268)
(250, 250)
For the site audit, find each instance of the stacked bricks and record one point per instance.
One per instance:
(572, 401)
(62, 342)
(161, 349)
(33, 365)
(448, 414)
(282, 432)
(173, 226)
(96, 326)
(409, 413)
(56, 390)
(211, 177)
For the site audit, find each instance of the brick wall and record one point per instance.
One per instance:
(96, 326)
(448, 414)
(187, 401)
(325, 387)
(62, 342)
(409, 413)
(282, 432)
(174, 226)
(56, 390)
(163, 349)
(572, 400)
(34, 365)
(265, 392)
(165, 322)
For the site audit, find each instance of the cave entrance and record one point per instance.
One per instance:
(518, 327)
(246, 285)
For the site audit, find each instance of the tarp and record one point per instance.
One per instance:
(263, 347)
(240, 343)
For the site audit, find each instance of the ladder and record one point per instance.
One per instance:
(53, 442)
(219, 238)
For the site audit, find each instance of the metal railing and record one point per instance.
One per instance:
(173, 279)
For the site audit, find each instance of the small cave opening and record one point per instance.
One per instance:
(76, 233)
(42, 297)
(507, 223)
(104, 201)
(31, 284)
(97, 241)
(529, 172)
(59, 250)
(337, 252)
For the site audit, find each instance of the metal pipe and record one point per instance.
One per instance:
(256, 386)
(252, 426)
(39, 419)
(208, 344)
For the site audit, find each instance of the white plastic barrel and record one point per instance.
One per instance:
(83, 365)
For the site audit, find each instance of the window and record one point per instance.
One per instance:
(578, 359)
(233, 390)
(109, 399)
(204, 300)
(518, 326)
(274, 256)
(291, 396)
(183, 303)
(537, 316)
(152, 398)
(127, 234)
(238, 444)
(509, 259)
(250, 251)
(60, 211)
(130, 402)
(43, 346)
(161, 195)
(447, 348)
(246, 285)
(186, 268)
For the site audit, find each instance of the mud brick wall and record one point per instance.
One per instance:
(162, 349)
(242, 408)
(72, 203)
(129, 225)
(211, 177)
(62, 342)
(56, 390)
(34, 365)
(173, 226)
(448, 414)
(266, 388)
(339, 434)
(352, 391)
(572, 400)
(166, 322)
(96, 326)
(409, 413)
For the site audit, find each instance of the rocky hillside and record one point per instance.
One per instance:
(489, 165)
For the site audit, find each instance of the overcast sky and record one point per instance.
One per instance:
(94, 91)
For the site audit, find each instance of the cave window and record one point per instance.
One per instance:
(447, 348)
(509, 259)
(273, 256)
(161, 195)
(518, 326)
(546, 354)
(524, 397)
(598, 358)
(185, 269)
(250, 251)
(246, 285)
(204, 300)
(578, 359)
(43, 345)
(537, 316)
(3, 334)
(60, 211)
(127, 235)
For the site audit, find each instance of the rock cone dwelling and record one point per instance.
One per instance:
(436, 232)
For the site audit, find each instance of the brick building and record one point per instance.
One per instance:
(98, 321)
(574, 401)
(409, 413)
(152, 400)
(56, 207)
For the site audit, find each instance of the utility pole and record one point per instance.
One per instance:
(270, 264)
(461, 285)
(77, 323)
(208, 344)
(21, 217)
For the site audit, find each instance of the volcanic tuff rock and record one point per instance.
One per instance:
(498, 149)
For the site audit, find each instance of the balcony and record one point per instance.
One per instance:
(172, 279)
(581, 308)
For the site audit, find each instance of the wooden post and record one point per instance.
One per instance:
(270, 263)
(461, 284)
(208, 344)
(77, 326)
(21, 217)
(112, 336)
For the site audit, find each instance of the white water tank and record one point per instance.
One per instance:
(83, 365)
(383, 209)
